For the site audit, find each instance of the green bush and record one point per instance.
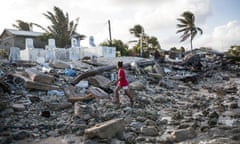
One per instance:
(3, 53)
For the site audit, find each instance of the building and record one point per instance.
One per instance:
(16, 38)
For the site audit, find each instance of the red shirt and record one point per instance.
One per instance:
(123, 81)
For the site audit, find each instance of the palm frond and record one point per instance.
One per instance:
(183, 21)
(182, 30)
(184, 37)
(200, 30)
(181, 25)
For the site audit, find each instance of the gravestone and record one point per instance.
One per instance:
(29, 43)
(51, 43)
(73, 51)
(14, 54)
(50, 54)
(91, 41)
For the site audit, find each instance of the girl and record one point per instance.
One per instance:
(122, 83)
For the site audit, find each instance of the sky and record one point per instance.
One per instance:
(219, 19)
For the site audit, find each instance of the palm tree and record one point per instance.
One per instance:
(61, 29)
(21, 25)
(187, 26)
(137, 30)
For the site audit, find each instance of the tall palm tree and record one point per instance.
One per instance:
(137, 30)
(187, 26)
(62, 28)
(22, 25)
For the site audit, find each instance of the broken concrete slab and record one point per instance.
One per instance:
(99, 80)
(106, 129)
(38, 76)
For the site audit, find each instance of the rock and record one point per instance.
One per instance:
(21, 134)
(183, 134)
(59, 106)
(233, 105)
(137, 85)
(38, 76)
(130, 137)
(160, 99)
(18, 107)
(106, 129)
(149, 131)
(166, 84)
(213, 114)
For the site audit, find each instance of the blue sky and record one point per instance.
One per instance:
(219, 19)
(224, 11)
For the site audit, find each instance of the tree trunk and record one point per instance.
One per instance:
(106, 68)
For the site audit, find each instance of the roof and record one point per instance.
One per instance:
(23, 33)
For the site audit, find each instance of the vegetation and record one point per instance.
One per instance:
(187, 27)
(121, 48)
(3, 53)
(145, 44)
(61, 28)
(21, 25)
(234, 50)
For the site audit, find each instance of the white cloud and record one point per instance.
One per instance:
(158, 17)
(222, 37)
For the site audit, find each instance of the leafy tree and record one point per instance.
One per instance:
(173, 49)
(234, 51)
(152, 43)
(187, 27)
(120, 46)
(61, 29)
(21, 25)
(182, 49)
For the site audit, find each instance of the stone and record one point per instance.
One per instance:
(106, 129)
(18, 107)
(183, 134)
(149, 131)
(137, 85)
(38, 76)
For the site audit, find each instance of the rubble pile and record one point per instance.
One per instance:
(194, 100)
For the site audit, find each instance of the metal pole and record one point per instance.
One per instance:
(110, 36)
(141, 44)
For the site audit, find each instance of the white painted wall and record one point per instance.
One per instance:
(74, 53)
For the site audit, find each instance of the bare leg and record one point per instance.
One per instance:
(127, 92)
(116, 94)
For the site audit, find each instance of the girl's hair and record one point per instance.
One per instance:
(120, 64)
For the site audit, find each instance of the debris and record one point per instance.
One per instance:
(106, 129)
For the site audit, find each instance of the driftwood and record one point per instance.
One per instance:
(106, 68)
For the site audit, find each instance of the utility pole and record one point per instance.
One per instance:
(110, 36)
(141, 43)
